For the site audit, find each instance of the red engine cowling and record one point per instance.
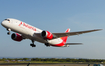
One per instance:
(16, 37)
(47, 35)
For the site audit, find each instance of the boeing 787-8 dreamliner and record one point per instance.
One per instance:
(26, 31)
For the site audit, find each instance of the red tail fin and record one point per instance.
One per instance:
(65, 38)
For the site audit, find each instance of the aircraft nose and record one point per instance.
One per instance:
(5, 23)
(2, 23)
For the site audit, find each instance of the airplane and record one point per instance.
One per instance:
(25, 31)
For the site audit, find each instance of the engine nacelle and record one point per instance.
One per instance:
(16, 37)
(47, 35)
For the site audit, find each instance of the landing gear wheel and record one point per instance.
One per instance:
(32, 45)
(8, 33)
(8, 29)
(47, 44)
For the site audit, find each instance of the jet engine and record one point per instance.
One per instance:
(16, 37)
(47, 35)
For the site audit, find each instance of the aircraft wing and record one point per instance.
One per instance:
(57, 35)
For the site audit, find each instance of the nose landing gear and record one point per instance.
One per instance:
(8, 31)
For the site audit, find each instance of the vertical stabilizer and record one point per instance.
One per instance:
(65, 38)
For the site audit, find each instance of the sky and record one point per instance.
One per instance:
(56, 16)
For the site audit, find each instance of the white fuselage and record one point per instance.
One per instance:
(28, 31)
(34, 34)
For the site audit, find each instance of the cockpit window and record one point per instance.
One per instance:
(7, 19)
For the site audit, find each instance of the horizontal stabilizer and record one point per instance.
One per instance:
(73, 43)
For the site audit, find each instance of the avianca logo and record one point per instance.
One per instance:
(28, 26)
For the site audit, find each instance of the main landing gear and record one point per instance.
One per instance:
(8, 31)
(47, 44)
(33, 45)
